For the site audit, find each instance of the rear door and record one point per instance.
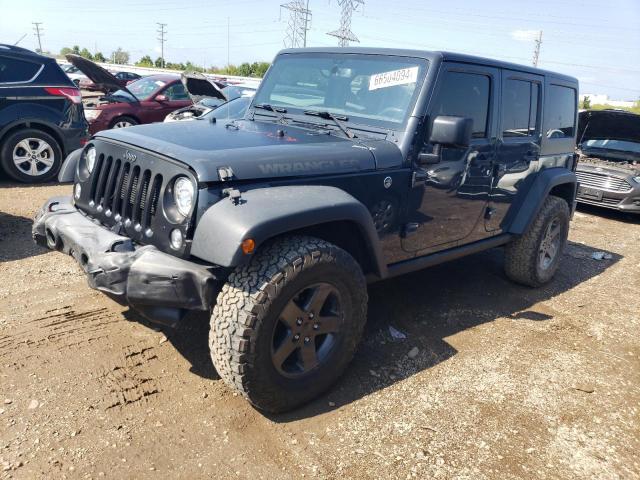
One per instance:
(518, 146)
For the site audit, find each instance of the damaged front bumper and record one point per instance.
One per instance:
(160, 286)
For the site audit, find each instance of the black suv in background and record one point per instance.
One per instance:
(41, 115)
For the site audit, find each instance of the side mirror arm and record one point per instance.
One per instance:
(430, 158)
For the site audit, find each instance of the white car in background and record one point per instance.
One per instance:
(208, 94)
(72, 72)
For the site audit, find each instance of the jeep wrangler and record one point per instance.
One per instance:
(350, 166)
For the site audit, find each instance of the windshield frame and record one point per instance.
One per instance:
(354, 121)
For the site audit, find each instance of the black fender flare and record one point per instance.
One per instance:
(263, 213)
(67, 171)
(528, 207)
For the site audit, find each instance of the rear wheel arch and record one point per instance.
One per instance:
(566, 191)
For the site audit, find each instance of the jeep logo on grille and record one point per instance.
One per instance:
(130, 156)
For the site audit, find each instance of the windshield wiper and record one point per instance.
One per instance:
(336, 119)
(279, 111)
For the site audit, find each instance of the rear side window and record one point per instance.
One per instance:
(519, 108)
(13, 70)
(465, 95)
(560, 115)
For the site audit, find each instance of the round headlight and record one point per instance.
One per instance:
(183, 193)
(90, 158)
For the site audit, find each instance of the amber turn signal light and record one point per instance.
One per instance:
(248, 246)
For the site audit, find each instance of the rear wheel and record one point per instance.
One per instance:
(31, 156)
(286, 325)
(533, 258)
(124, 121)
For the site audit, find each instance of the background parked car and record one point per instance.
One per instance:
(124, 79)
(73, 72)
(232, 110)
(208, 94)
(146, 100)
(41, 116)
(609, 163)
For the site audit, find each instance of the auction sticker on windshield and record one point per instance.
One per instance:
(393, 78)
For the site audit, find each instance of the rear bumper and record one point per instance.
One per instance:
(158, 285)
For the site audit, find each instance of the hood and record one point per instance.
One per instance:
(102, 79)
(200, 86)
(257, 150)
(608, 124)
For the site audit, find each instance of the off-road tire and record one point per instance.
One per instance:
(6, 155)
(522, 263)
(248, 308)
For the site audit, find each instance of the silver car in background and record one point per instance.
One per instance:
(609, 159)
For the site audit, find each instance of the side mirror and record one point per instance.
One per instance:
(451, 131)
(161, 98)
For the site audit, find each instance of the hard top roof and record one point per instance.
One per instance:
(433, 55)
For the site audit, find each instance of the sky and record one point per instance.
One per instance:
(596, 41)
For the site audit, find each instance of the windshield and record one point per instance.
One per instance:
(143, 89)
(618, 145)
(375, 90)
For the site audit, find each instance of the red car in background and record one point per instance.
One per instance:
(146, 100)
(124, 79)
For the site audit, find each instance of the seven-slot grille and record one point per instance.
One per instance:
(603, 181)
(125, 191)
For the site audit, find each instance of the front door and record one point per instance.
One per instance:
(518, 148)
(450, 197)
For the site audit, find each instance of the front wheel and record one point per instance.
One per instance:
(286, 325)
(124, 121)
(533, 258)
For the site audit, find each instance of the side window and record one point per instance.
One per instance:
(560, 114)
(14, 70)
(465, 95)
(519, 108)
(176, 92)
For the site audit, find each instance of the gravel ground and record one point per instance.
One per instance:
(492, 381)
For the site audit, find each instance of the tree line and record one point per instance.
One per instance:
(120, 56)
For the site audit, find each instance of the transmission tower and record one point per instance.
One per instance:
(344, 33)
(536, 52)
(298, 25)
(162, 32)
(38, 29)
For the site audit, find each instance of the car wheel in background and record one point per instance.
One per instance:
(31, 156)
(122, 122)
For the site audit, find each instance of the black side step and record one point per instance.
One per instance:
(406, 266)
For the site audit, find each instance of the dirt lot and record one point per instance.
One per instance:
(508, 382)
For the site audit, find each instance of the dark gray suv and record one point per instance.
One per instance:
(350, 166)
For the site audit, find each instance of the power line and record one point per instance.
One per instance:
(162, 32)
(344, 33)
(298, 23)
(37, 28)
(536, 52)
